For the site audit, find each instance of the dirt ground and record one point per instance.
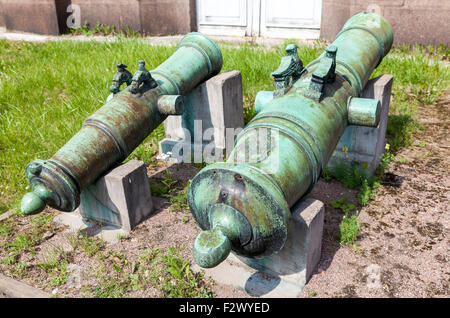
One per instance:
(402, 251)
(404, 243)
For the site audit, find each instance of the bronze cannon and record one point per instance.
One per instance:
(244, 204)
(109, 135)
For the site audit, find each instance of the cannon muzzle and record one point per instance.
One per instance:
(244, 204)
(116, 129)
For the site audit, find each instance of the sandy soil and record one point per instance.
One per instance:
(404, 244)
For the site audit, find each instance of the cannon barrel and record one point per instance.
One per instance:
(109, 135)
(244, 204)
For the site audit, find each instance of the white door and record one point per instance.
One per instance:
(270, 18)
(223, 17)
(291, 18)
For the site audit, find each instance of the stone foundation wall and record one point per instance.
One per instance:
(36, 16)
(168, 17)
(119, 13)
(2, 19)
(153, 17)
(413, 21)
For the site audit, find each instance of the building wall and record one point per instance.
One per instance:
(334, 15)
(154, 17)
(2, 20)
(119, 13)
(168, 17)
(37, 16)
(413, 21)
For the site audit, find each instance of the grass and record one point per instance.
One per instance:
(104, 29)
(161, 187)
(174, 190)
(18, 247)
(343, 205)
(5, 230)
(166, 271)
(47, 90)
(178, 198)
(420, 76)
(349, 229)
(90, 245)
(41, 108)
(55, 266)
(367, 190)
(400, 130)
(179, 281)
(15, 244)
(112, 272)
(349, 226)
(353, 175)
(402, 160)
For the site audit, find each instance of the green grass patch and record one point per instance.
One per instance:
(353, 175)
(400, 131)
(14, 243)
(367, 190)
(55, 267)
(343, 205)
(421, 73)
(166, 271)
(349, 226)
(105, 30)
(166, 187)
(349, 229)
(403, 160)
(90, 245)
(48, 90)
(420, 76)
(161, 187)
(178, 198)
(5, 230)
(178, 279)
(350, 174)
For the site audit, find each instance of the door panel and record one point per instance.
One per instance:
(228, 17)
(270, 18)
(289, 13)
(291, 18)
(216, 12)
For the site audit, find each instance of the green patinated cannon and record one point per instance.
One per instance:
(244, 204)
(116, 129)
